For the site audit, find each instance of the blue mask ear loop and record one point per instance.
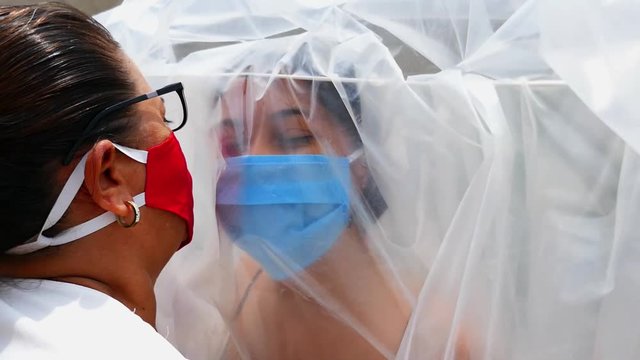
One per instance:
(355, 155)
(357, 207)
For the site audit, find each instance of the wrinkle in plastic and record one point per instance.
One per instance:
(401, 180)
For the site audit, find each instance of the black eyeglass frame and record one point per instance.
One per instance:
(177, 87)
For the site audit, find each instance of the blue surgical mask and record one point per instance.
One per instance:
(285, 211)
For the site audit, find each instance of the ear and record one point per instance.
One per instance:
(360, 172)
(105, 178)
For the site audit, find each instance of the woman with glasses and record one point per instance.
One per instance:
(95, 191)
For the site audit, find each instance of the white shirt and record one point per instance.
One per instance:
(43, 319)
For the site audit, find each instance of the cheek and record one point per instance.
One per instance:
(157, 135)
(151, 131)
(138, 178)
(332, 141)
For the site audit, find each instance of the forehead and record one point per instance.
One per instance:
(262, 94)
(151, 129)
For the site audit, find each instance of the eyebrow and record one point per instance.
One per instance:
(285, 113)
(229, 121)
(276, 116)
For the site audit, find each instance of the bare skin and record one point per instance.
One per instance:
(285, 320)
(123, 263)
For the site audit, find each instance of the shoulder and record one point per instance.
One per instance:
(52, 320)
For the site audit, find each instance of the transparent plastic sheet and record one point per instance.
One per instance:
(596, 54)
(445, 32)
(507, 174)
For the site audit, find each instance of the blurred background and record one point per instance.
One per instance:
(90, 7)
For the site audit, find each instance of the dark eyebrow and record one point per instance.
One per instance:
(285, 113)
(228, 122)
(276, 116)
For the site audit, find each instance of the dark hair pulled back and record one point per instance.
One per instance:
(59, 68)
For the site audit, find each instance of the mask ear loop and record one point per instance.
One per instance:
(360, 209)
(62, 203)
(355, 155)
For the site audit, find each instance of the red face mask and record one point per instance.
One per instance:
(168, 187)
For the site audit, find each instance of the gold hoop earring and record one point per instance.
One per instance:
(136, 215)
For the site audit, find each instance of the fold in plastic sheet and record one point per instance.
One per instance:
(499, 135)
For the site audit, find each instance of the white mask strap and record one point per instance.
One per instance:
(135, 154)
(62, 203)
(67, 194)
(355, 155)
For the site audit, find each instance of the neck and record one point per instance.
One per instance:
(360, 283)
(137, 296)
(349, 259)
(113, 270)
(352, 278)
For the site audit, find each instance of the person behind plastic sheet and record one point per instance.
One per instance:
(295, 176)
(84, 144)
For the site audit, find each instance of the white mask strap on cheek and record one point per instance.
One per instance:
(355, 155)
(62, 203)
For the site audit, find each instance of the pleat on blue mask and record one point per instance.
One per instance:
(285, 211)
